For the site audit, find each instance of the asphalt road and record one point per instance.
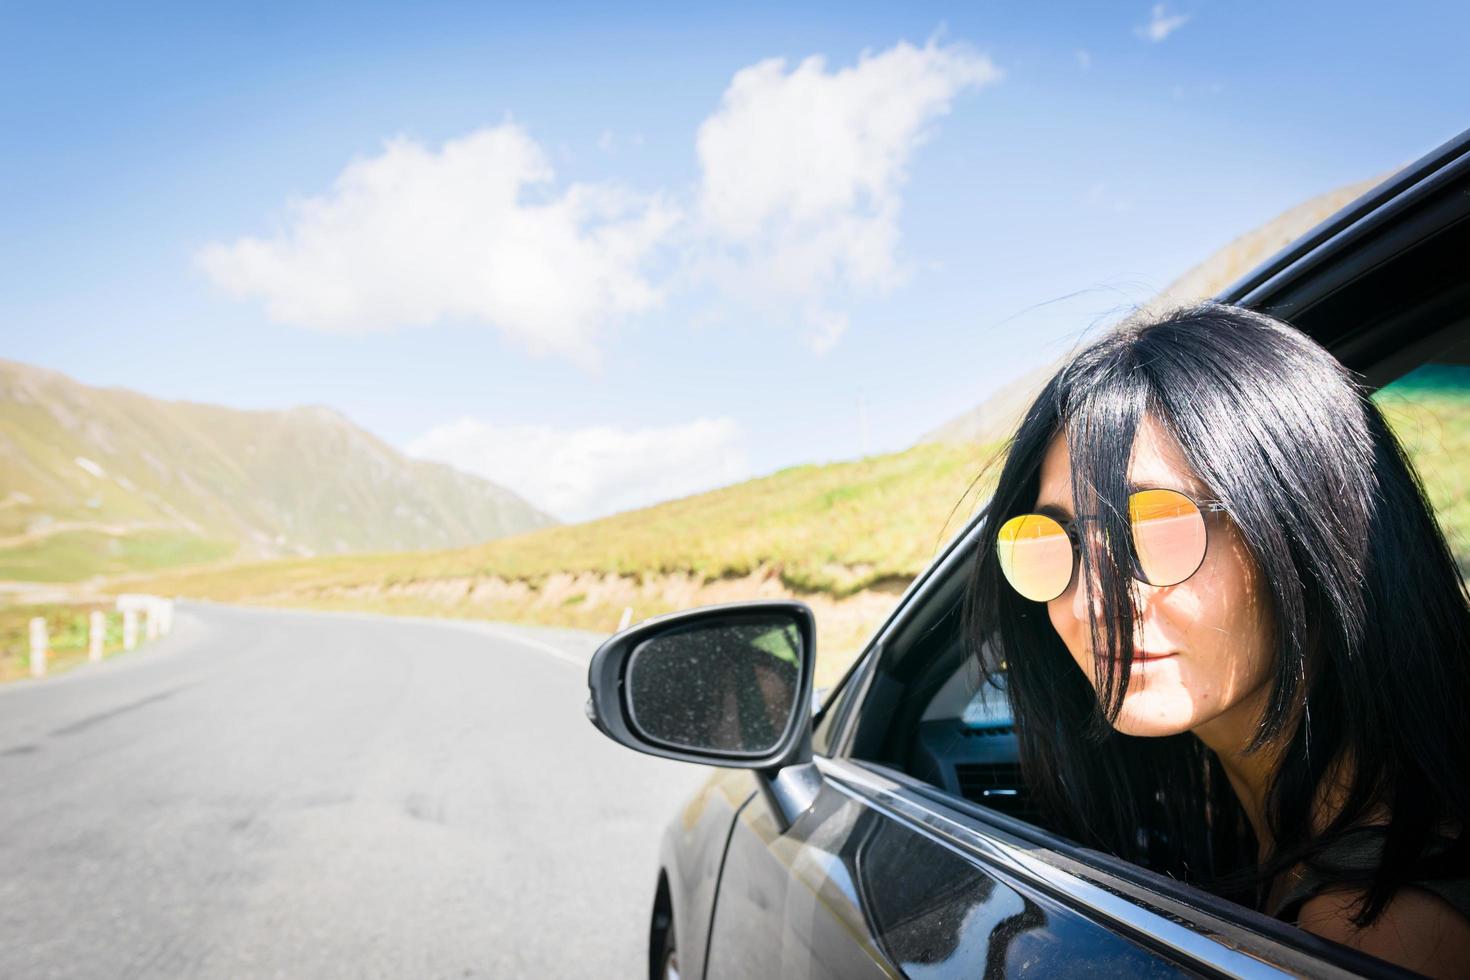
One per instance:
(269, 793)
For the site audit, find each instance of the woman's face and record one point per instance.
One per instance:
(1202, 647)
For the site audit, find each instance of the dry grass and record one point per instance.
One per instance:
(836, 529)
(845, 537)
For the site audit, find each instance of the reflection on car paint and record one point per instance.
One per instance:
(866, 895)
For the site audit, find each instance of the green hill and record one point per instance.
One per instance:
(97, 481)
(1429, 410)
(844, 537)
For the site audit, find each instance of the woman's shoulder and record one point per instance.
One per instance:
(1425, 926)
(1420, 928)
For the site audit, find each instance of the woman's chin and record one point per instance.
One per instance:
(1153, 714)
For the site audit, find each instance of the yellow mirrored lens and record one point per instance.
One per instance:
(1168, 535)
(1036, 556)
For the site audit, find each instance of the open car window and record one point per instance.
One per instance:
(926, 709)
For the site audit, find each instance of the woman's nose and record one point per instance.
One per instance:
(1088, 603)
(1086, 595)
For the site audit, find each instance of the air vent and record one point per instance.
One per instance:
(992, 732)
(996, 785)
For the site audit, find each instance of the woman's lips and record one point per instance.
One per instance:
(1141, 657)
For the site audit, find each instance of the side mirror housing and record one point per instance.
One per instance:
(723, 685)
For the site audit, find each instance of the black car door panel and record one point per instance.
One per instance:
(852, 891)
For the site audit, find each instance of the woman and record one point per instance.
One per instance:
(1236, 644)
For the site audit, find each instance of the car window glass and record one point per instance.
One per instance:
(929, 712)
(834, 706)
(822, 734)
(1429, 410)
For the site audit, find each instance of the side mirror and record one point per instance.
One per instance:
(722, 685)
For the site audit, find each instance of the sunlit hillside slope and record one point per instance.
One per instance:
(101, 480)
(845, 537)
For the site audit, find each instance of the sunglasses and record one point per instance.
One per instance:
(1038, 554)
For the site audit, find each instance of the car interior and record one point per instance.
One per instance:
(932, 714)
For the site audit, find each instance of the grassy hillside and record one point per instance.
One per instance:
(845, 537)
(1429, 410)
(107, 480)
(836, 529)
(69, 556)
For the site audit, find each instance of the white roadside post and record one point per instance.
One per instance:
(38, 646)
(130, 628)
(627, 618)
(150, 620)
(167, 625)
(96, 634)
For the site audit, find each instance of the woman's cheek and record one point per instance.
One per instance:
(1225, 645)
(1073, 633)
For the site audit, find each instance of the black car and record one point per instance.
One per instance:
(890, 834)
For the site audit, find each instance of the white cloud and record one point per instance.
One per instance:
(582, 473)
(802, 171)
(1161, 24)
(472, 231)
(796, 209)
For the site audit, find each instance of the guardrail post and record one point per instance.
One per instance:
(96, 634)
(130, 628)
(38, 646)
(150, 620)
(166, 625)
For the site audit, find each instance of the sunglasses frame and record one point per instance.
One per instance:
(1069, 527)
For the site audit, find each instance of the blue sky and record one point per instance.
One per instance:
(660, 261)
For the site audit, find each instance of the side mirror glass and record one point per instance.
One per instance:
(716, 687)
(726, 684)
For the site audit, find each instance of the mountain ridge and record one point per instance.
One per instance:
(104, 479)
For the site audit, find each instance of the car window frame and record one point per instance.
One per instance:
(1183, 923)
(1355, 250)
(935, 591)
(1428, 197)
(946, 573)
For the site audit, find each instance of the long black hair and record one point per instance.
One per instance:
(1370, 686)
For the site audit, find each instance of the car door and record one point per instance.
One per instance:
(870, 882)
